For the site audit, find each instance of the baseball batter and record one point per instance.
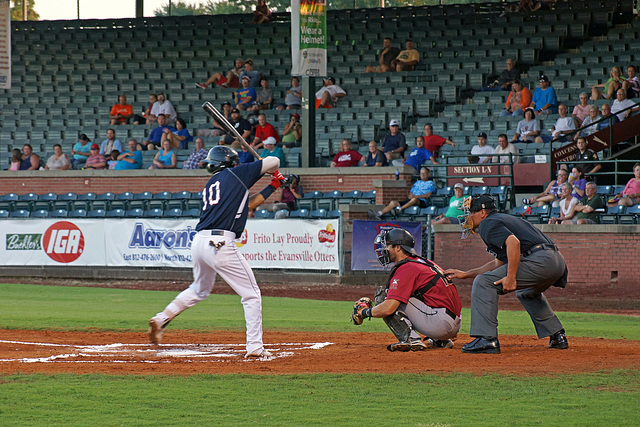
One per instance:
(222, 220)
(419, 298)
(526, 261)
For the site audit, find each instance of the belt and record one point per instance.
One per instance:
(450, 313)
(217, 232)
(540, 247)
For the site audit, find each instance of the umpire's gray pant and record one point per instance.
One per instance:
(536, 273)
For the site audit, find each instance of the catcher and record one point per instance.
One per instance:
(419, 298)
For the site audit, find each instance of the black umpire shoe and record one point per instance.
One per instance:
(558, 340)
(482, 345)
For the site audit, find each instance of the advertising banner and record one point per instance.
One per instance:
(363, 255)
(309, 46)
(5, 45)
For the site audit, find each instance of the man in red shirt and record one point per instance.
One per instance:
(122, 112)
(263, 131)
(434, 142)
(347, 157)
(419, 298)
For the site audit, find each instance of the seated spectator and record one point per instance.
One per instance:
(112, 159)
(196, 159)
(588, 208)
(482, 150)
(455, 207)
(264, 130)
(621, 103)
(407, 59)
(566, 205)
(387, 54)
(561, 128)
(163, 106)
(394, 142)
(232, 79)
(96, 160)
(615, 82)
(434, 142)
(179, 139)
(30, 161)
(630, 195)
(544, 100)
(254, 75)
(534, 5)
(292, 134)
(293, 97)
(111, 143)
(245, 156)
(519, 98)
(218, 128)
(505, 147)
(273, 151)
(375, 157)
(121, 112)
(585, 154)
(419, 195)
(605, 109)
(80, 152)
(419, 155)
(506, 79)
(592, 117)
(291, 191)
(264, 97)
(347, 157)
(59, 160)
(632, 84)
(155, 137)
(145, 117)
(528, 128)
(262, 14)
(329, 94)
(16, 159)
(552, 194)
(164, 158)
(245, 97)
(581, 111)
(578, 182)
(131, 159)
(242, 126)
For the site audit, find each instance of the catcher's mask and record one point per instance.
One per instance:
(395, 236)
(221, 157)
(471, 205)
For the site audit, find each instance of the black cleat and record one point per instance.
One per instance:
(482, 345)
(558, 341)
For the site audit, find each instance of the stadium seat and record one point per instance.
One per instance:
(134, 213)
(328, 200)
(318, 213)
(4, 214)
(159, 200)
(538, 214)
(630, 216)
(612, 214)
(262, 214)
(308, 200)
(65, 201)
(59, 213)
(85, 201)
(40, 213)
(115, 213)
(335, 213)
(103, 201)
(25, 201)
(97, 213)
(172, 213)
(191, 213)
(300, 213)
(141, 200)
(77, 213)
(20, 213)
(150, 213)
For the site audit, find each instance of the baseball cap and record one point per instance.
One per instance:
(225, 103)
(246, 77)
(296, 115)
(459, 185)
(95, 147)
(332, 80)
(483, 201)
(84, 137)
(235, 110)
(394, 122)
(269, 141)
(544, 78)
(482, 135)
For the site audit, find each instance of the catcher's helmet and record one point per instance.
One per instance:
(221, 157)
(394, 236)
(471, 205)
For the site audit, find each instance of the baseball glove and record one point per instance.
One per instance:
(361, 304)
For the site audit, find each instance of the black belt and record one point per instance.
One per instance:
(540, 247)
(450, 313)
(217, 232)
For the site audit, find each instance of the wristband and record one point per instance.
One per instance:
(366, 313)
(267, 191)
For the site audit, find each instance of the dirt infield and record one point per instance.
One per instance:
(186, 353)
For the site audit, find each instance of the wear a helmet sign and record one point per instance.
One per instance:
(63, 242)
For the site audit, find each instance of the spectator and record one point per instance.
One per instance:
(145, 118)
(347, 157)
(291, 191)
(505, 147)
(419, 155)
(329, 94)
(630, 195)
(585, 154)
(581, 111)
(292, 134)
(218, 128)
(261, 14)
(519, 98)
(111, 143)
(131, 159)
(388, 54)
(265, 96)
(164, 106)
(264, 130)
(592, 117)
(578, 182)
(506, 79)
(245, 97)
(179, 139)
(528, 128)
(59, 160)
(254, 75)
(588, 208)
(293, 97)
(566, 205)
(165, 158)
(621, 103)
(121, 113)
(534, 5)
(96, 160)
(434, 142)
(242, 126)
(375, 157)
(273, 151)
(112, 159)
(553, 193)
(632, 84)
(482, 150)
(407, 59)
(155, 137)
(455, 207)
(196, 159)
(230, 80)
(245, 156)
(544, 100)
(605, 109)
(80, 152)
(16, 159)
(419, 195)
(615, 82)
(29, 160)
(394, 142)
(563, 126)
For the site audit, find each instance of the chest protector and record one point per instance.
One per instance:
(419, 293)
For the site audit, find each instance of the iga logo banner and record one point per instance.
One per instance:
(63, 242)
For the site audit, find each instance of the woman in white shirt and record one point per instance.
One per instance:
(566, 205)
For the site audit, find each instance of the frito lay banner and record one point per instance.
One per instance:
(294, 244)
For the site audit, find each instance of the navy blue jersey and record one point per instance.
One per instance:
(225, 198)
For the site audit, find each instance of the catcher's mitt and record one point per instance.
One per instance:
(361, 304)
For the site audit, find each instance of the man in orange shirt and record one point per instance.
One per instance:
(122, 112)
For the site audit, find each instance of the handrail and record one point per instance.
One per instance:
(615, 162)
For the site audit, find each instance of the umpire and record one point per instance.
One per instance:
(526, 261)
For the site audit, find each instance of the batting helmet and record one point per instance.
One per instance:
(221, 157)
(394, 236)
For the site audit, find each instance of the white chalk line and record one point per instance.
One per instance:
(163, 353)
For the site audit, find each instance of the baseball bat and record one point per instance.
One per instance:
(220, 118)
